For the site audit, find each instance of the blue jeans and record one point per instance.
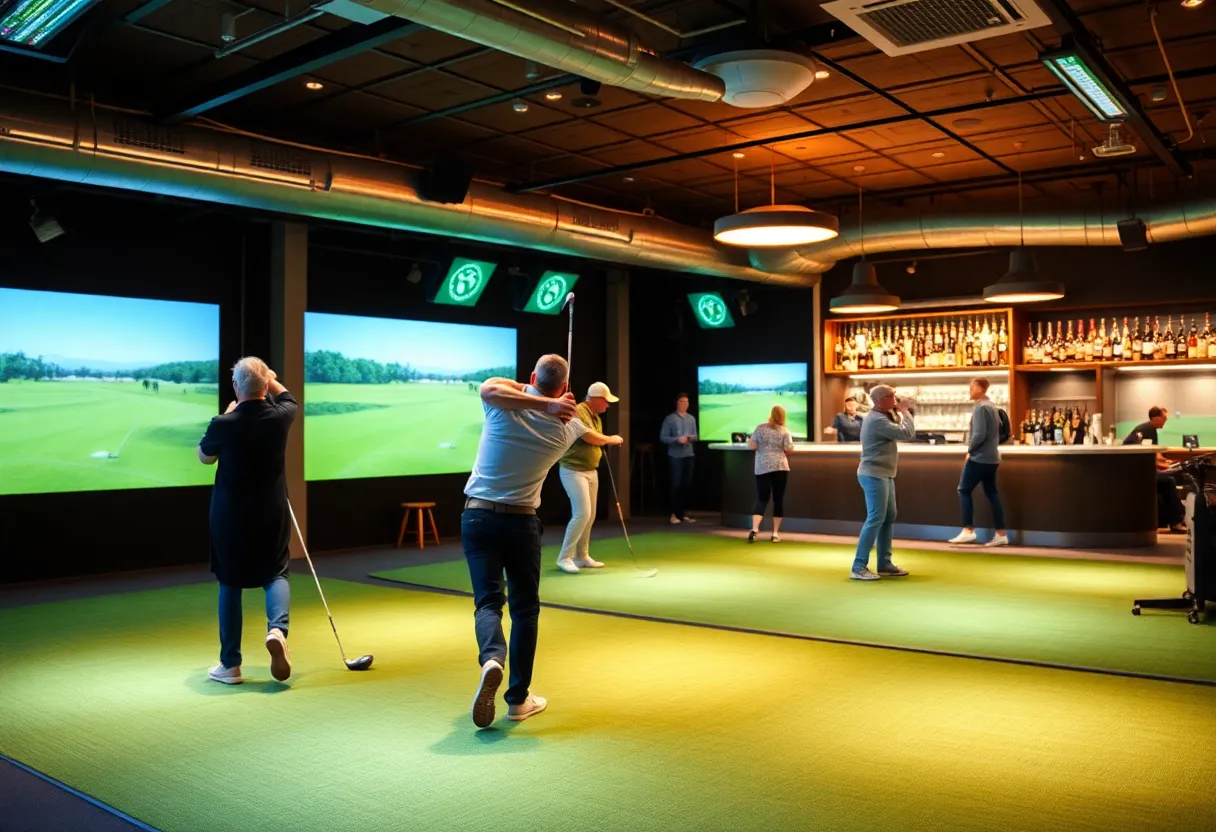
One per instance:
(880, 521)
(681, 481)
(493, 544)
(278, 599)
(980, 473)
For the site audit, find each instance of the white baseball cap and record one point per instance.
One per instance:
(600, 390)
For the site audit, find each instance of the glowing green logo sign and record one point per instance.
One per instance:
(465, 282)
(550, 293)
(711, 310)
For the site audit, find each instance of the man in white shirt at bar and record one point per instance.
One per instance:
(888, 422)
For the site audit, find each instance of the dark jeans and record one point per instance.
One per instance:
(278, 600)
(771, 483)
(681, 480)
(980, 473)
(1170, 511)
(494, 544)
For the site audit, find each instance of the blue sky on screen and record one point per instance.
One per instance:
(100, 328)
(756, 376)
(427, 345)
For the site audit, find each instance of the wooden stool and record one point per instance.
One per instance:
(420, 507)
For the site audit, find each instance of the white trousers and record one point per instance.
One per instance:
(583, 488)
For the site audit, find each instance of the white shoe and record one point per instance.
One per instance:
(963, 537)
(567, 566)
(999, 540)
(675, 521)
(483, 702)
(280, 657)
(588, 562)
(531, 707)
(688, 520)
(776, 538)
(225, 675)
(863, 575)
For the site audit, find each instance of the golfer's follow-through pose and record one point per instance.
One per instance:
(580, 477)
(527, 429)
(250, 524)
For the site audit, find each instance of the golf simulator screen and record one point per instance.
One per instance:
(737, 397)
(101, 393)
(388, 398)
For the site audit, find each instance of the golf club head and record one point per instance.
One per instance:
(361, 663)
(648, 573)
(569, 300)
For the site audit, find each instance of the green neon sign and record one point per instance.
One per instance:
(550, 293)
(711, 310)
(465, 282)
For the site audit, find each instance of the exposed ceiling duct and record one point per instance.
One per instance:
(560, 35)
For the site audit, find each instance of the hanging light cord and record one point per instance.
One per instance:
(736, 161)
(1021, 212)
(861, 222)
(772, 176)
(1190, 128)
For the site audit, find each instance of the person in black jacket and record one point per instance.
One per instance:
(250, 523)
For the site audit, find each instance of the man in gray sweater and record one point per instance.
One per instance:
(983, 460)
(888, 422)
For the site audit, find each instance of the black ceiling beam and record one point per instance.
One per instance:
(1070, 27)
(342, 44)
(148, 8)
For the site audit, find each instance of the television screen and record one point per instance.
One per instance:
(386, 397)
(737, 397)
(101, 393)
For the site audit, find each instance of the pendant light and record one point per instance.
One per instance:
(864, 296)
(1023, 283)
(774, 226)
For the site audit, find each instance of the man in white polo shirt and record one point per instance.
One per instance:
(528, 428)
(581, 479)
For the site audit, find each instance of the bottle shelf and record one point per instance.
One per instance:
(918, 372)
(1083, 366)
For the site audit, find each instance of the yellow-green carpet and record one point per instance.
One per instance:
(650, 727)
(1061, 611)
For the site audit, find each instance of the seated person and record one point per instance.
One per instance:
(1169, 507)
(846, 427)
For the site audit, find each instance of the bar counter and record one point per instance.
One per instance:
(1068, 496)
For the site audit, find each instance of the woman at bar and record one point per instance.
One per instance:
(773, 444)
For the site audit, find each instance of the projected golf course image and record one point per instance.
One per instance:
(737, 397)
(386, 397)
(101, 393)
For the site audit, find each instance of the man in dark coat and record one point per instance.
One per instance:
(250, 524)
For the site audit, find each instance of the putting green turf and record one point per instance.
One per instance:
(719, 414)
(1071, 612)
(50, 431)
(383, 430)
(650, 727)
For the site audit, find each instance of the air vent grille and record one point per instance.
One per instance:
(280, 159)
(906, 24)
(148, 137)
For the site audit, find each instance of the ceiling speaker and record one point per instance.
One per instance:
(1132, 234)
(446, 181)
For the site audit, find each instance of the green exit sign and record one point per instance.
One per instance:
(711, 310)
(465, 282)
(550, 293)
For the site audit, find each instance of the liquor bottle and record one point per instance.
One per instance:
(1137, 342)
(1070, 345)
(1116, 349)
(1048, 346)
(1209, 337)
(1061, 344)
(1125, 345)
(838, 365)
(1097, 339)
(1039, 352)
(1087, 353)
(1028, 356)
(1002, 345)
(987, 344)
(1150, 349)
(1108, 347)
(939, 343)
(1192, 341)
(1170, 344)
(1180, 338)
(892, 348)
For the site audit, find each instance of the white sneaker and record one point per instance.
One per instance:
(530, 707)
(588, 563)
(963, 537)
(487, 689)
(776, 538)
(280, 657)
(863, 575)
(567, 566)
(688, 520)
(999, 540)
(675, 521)
(225, 675)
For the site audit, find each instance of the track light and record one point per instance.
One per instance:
(46, 227)
(228, 27)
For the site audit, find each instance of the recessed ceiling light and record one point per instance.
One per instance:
(967, 122)
(1191, 4)
(628, 178)
(314, 85)
(737, 155)
(553, 96)
(800, 147)
(939, 155)
(859, 168)
(520, 106)
(821, 74)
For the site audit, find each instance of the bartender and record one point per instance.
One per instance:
(846, 427)
(1169, 507)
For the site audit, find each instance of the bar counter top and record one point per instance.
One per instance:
(960, 448)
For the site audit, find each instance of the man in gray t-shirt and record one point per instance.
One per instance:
(527, 429)
(888, 422)
(983, 461)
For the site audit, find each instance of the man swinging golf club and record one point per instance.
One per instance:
(579, 472)
(528, 427)
(250, 520)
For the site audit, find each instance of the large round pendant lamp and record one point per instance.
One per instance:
(1023, 283)
(773, 226)
(864, 296)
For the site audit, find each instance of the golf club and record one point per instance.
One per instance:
(569, 303)
(646, 573)
(361, 663)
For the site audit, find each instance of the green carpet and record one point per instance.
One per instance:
(651, 727)
(1071, 612)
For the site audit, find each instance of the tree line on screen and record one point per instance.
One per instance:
(329, 367)
(709, 387)
(19, 366)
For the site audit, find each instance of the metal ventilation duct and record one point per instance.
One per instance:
(561, 35)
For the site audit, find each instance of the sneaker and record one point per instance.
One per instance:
(280, 657)
(892, 571)
(998, 540)
(863, 575)
(687, 520)
(776, 538)
(567, 566)
(751, 537)
(588, 562)
(964, 536)
(225, 675)
(1178, 528)
(483, 703)
(675, 521)
(530, 707)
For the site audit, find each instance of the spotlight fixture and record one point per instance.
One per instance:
(1023, 283)
(864, 296)
(1191, 4)
(737, 155)
(228, 27)
(823, 74)
(314, 85)
(628, 178)
(911, 268)
(45, 227)
(553, 96)
(520, 106)
(775, 226)
(415, 274)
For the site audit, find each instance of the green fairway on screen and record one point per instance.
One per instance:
(100, 393)
(737, 397)
(389, 398)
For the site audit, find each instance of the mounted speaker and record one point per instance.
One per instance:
(1132, 234)
(446, 181)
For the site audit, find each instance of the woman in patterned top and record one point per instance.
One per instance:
(772, 443)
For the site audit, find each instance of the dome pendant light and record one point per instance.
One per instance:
(774, 226)
(864, 296)
(1023, 283)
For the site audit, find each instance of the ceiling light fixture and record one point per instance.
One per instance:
(553, 96)
(864, 296)
(314, 85)
(737, 155)
(939, 155)
(1191, 4)
(1092, 89)
(520, 106)
(859, 168)
(774, 226)
(1023, 283)
(34, 22)
(823, 74)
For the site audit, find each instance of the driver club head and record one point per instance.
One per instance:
(648, 573)
(569, 300)
(361, 663)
